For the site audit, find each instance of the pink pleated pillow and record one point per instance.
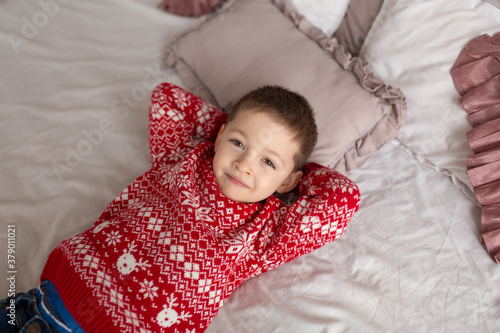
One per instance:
(192, 8)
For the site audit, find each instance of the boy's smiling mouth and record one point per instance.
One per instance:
(236, 181)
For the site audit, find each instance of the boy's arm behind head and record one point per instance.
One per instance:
(176, 117)
(319, 180)
(327, 202)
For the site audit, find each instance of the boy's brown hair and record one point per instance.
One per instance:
(287, 108)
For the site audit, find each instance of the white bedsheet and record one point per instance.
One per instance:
(75, 80)
(74, 103)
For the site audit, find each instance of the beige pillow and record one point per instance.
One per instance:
(260, 42)
(357, 23)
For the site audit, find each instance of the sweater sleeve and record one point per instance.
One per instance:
(327, 202)
(176, 118)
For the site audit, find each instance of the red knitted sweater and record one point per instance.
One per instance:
(169, 250)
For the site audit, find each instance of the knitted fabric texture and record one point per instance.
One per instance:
(170, 248)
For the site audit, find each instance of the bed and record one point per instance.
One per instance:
(76, 78)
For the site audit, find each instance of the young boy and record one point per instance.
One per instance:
(170, 249)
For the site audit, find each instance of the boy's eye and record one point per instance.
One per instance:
(269, 163)
(237, 144)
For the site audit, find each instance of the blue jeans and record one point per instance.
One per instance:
(35, 312)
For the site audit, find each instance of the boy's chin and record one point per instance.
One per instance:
(240, 195)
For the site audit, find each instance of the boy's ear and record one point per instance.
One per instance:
(217, 141)
(290, 182)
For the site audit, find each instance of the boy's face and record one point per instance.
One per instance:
(254, 157)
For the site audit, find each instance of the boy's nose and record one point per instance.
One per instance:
(243, 165)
